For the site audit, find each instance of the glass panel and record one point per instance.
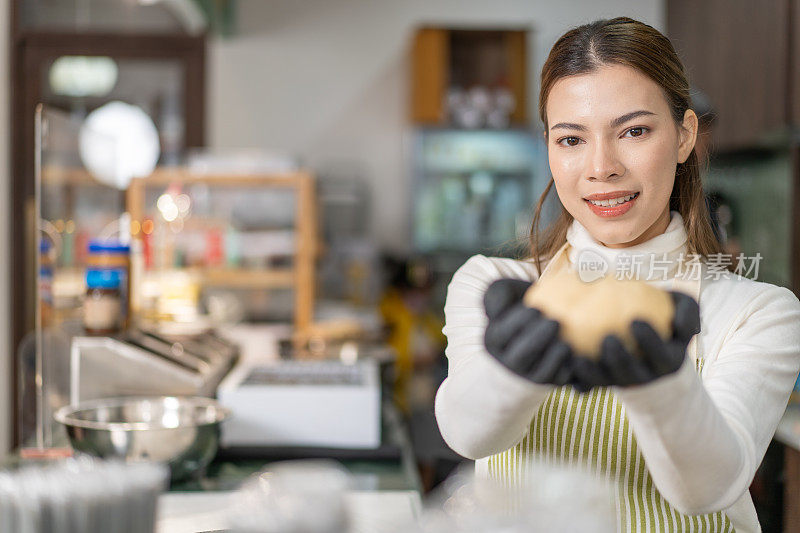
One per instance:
(71, 208)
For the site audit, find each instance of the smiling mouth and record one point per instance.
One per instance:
(613, 201)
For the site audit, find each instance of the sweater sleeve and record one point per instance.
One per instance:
(703, 440)
(481, 407)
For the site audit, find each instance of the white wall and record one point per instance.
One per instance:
(5, 191)
(328, 80)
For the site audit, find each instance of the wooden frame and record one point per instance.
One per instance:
(793, 118)
(794, 232)
(301, 276)
(29, 52)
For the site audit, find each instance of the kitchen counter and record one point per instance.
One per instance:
(385, 486)
(386, 490)
(369, 511)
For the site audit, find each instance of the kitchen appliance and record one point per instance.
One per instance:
(289, 403)
(183, 432)
(143, 362)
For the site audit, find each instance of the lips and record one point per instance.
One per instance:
(609, 195)
(615, 210)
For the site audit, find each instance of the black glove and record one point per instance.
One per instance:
(521, 338)
(617, 366)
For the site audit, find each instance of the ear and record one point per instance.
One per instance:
(688, 135)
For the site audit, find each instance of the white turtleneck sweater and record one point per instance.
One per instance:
(702, 436)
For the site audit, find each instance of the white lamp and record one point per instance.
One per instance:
(119, 141)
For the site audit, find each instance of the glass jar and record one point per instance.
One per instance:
(102, 308)
(112, 255)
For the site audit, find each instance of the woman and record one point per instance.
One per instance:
(683, 429)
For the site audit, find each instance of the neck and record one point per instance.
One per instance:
(654, 260)
(656, 228)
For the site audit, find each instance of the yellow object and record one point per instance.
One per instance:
(588, 311)
(407, 331)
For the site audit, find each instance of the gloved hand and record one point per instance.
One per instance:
(617, 366)
(522, 339)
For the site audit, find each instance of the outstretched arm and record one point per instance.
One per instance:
(482, 407)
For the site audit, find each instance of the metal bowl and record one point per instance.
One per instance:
(182, 432)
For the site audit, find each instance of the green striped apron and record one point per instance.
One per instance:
(592, 430)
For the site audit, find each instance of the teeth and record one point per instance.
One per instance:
(612, 202)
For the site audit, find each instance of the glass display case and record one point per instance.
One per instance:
(475, 190)
(178, 252)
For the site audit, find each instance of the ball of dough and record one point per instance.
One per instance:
(590, 311)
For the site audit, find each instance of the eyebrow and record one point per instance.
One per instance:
(614, 123)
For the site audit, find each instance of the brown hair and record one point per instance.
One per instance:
(629, 42)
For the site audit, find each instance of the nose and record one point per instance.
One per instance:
(603, 163)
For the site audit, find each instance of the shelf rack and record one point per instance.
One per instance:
(300, 276)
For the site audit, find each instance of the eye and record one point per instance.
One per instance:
(637, 131)
(571, 141)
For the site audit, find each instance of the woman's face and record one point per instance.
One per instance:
(611, 131)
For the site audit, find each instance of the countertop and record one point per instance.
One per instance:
(369, 511)
(386, 492)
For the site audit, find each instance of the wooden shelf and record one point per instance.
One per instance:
(163, 177)
(300, 276)
(55, 175)
(248, 278)
(251, 278)
(168, 176)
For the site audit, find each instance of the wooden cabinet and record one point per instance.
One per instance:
(738, 52)
(465, 58)
(430, 57)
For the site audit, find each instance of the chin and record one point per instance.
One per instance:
(611, 236)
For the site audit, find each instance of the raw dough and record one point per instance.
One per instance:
(590, 311)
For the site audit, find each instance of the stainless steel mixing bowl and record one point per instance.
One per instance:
(180, 431)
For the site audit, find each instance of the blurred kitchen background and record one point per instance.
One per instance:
(267, 182)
